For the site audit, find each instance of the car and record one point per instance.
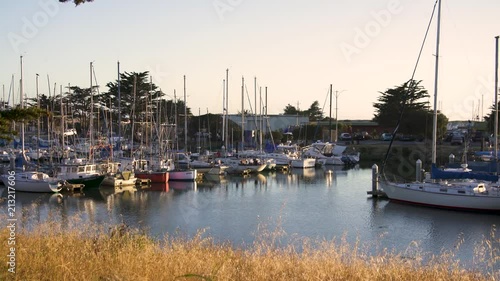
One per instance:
(457, 140)
(345, 137)
(386, 137)
(362, 136)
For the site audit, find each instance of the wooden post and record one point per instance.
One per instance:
(374, 180)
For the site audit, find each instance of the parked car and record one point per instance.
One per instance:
(386, 137)
(345, 137)
(362, 136)
(457, 140)
(448, 137)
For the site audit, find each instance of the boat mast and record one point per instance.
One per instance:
(242, 113)
(496, 101)
(330, 117)
(261, 122)
(185, 117)
(132, 116)
(62, 118)
(37, 128)
(22, 106)
(255, 109)
(434, 120)
(224, 115)
(119, 144)
(227, 110)
(91, 126)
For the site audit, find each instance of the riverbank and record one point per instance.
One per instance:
(50, 251)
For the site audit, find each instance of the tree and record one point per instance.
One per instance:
(314, 112)
(290, 110)
(140, 99)
(392, 101)
(417, 117)
(77, 2)
(407, 98)
(9, 116)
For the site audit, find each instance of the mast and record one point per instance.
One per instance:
(434, 121)
(175, 121)
(119, 145)
(255, 106)
(224, 113)
(37, 127)
(62, 117)
(91, 126)
(22, 105)
(496, 101)
(242, 113)
(49, 119)
(261, 126)
(330, 117)
(133, 118)
(227, 109)
(150, 112)
(185, 117)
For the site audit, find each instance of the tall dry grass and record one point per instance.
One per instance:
(83, 251)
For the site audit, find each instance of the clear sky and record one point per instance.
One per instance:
(296, 48)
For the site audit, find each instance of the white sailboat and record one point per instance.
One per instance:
(445, 189)
(29, 181)
(175, 173)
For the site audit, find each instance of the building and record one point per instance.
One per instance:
(277, 122)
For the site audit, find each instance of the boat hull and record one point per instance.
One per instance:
(120, 179)
(89, 182)
(303, 163)
(188, 175)
(155, 177)
(30, 185)
(459, 197)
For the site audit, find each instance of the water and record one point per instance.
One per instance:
(313, 203)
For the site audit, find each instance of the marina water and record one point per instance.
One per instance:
(318, 204)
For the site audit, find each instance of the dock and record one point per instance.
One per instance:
(70, 187)
(143, 182)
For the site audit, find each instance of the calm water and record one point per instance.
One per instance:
(317, 203)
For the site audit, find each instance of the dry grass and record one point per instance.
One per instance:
(79, 251)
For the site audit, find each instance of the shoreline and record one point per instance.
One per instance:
(91, 252)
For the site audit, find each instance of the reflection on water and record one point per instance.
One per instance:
(327, 203)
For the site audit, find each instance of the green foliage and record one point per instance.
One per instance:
(290, 110)
(417, 117)
(490, 119)
(24, 115)
(392, 101)
(77, 2)
(314, 112)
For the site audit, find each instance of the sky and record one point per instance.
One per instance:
(295, 48)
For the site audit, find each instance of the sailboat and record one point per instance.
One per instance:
(142, 167)
(29, 181)
(175, 173)
(459, 190)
